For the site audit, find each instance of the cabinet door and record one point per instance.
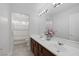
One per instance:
(32, 45)
(47, 53)
(36, 51)
(40, 50)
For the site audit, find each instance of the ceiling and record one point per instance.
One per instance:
(32, 8)
(26, 8)
(62, 7)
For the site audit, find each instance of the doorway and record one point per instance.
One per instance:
(20, 29)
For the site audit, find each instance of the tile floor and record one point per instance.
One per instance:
(22, 50)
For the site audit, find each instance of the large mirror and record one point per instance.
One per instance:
(65, 20)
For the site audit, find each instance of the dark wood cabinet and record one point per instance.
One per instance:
(34, 47)
(39, 50)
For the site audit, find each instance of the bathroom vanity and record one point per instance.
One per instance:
(42, 47)
(39, 50)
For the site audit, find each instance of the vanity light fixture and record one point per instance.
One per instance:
(43, 12)
(46, 10)
(57, 4)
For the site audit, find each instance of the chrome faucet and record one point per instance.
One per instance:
(60, 43)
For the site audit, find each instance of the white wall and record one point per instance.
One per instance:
(37, 25)
(4, 29)
(32, 9)
(62, 23)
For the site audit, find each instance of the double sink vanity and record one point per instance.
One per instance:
(53, 47)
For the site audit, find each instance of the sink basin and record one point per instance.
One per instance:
(61, 49)
(55, 43)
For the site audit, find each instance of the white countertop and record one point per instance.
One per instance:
(52, 46)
